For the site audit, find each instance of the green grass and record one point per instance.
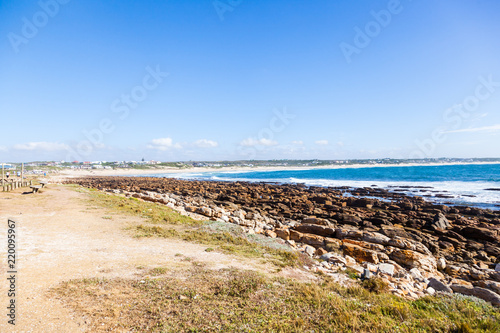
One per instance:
(230, 300)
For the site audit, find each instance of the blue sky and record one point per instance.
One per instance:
(239, 79)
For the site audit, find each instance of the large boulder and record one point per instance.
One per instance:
(314, 220)
(366, 245)
(295, 235)
(375, 237)
(349, 219)
(315, 229)
(412, 259)
(386, 269)
(313, 240)
(342, 233)
(439, 222)
(480, 233)
(492, 285)
(332, 244)
(282, 233)
(482, 293)
(439, 286)
(360, 254)
(204, 211)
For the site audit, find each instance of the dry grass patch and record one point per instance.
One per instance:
(230, 300)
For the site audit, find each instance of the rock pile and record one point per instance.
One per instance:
(418, 247)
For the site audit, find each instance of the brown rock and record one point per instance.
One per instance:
(332, 244)
(360, 254)
(492, 285)
(204, 211)
(295, 235)
(282, 233)
(414, 259)
(452, 270)
(391, 231)
(313, 240)
(366, 245)
(342, 233)
(270, 233)
(375, 237)
(314, 220)
(315, 229)
(320, 251)
(482, 293)
(480, 233)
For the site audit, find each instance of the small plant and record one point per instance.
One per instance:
(209, 249)
(158, 271)
(376, 285)
(240, 284)
(462, 328)
(352, 273)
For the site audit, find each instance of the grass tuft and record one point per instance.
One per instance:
(376, 285)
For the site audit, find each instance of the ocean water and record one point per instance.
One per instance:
(461, 184)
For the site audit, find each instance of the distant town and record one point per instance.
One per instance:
(43, 166)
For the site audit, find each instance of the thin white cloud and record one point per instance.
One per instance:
(3, 148)
(492, 128)
(46, 146)
(163, 144)
(205, 143)
(253, 142)
(321, 142)
(340, 144)
(298, 143)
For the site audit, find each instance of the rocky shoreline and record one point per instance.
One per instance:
(418, 247)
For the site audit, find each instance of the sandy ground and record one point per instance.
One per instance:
(61, 236)
(129, 172)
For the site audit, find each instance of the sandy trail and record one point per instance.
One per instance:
(62, 237)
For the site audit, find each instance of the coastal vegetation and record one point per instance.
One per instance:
(232, 300)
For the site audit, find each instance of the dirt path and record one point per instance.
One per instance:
(61, 237)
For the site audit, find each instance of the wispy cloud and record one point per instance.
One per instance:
(492, 128)
(45, 146)
(298, 143)
(321, 142)
(205, 143)
(3, 148)
(250, 142)
(163, 144)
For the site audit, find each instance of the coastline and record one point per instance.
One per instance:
(166, 170)
(409, 242)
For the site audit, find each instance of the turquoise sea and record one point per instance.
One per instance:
(475, 185)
